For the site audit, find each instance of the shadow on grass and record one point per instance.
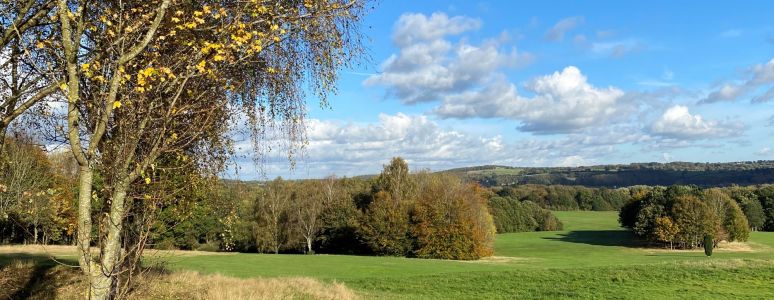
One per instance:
(22, 281)
(617, 238)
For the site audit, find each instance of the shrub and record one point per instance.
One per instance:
(708, 245)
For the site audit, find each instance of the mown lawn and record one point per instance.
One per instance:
(592, 258)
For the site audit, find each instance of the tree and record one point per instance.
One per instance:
(133, 100)
(754, 212)
(694, 219)
(735, 223)
(25, 31)
(396, 181)
(766, 197)
(272, 216)
(27, 172)
(666, 230)
(451, 220)
(385, 225)
(309, 203)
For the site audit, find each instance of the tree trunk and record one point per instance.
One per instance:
(308, 245)
(35, 233)
(104, 280)
(83, 238)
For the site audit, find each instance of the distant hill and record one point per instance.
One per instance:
(702, 174)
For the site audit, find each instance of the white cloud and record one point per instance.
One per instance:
(765, 151)
(572, 161)
(562, 102)
(429, 66)
(361, 148)
(758, 77)
(557, 32)
(417, 28)
(678, 123)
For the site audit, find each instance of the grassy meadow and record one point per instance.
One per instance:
(592, 258)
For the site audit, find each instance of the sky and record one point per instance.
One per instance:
(545, 83)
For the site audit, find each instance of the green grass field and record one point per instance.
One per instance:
(592, 258)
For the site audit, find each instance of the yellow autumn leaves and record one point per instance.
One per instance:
(146, 76)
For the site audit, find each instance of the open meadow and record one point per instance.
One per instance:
(592, 258)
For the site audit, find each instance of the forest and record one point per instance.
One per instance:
(394, 213)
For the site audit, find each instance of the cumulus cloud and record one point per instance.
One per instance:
(361, 148)
(557, 32)
(677, 122)
(758, 77)
(429, 66)
(416, 28)
(562, 102)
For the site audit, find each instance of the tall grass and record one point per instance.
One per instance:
(30, 280)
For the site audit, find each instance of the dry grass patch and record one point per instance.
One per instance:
(722, 246)
(193, 285)
(497, 260)
(26, 280)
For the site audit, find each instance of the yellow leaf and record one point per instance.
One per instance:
(40, 45)
(63, 86)
(116, 104)
(147, 180)
(202, 66)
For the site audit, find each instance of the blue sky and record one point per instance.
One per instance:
(548, 83)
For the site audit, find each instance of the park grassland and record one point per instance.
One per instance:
(592, 258)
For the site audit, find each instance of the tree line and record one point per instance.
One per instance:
(564, 197)
(36, 195)
(396, 213)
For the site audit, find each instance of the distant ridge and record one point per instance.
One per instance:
(652, 173)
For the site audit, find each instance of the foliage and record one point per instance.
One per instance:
(451, 221)
(35, 202)
(511, 215)
(558, 197)
(684, 215)
(708, 245)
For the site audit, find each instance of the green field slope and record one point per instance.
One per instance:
(593, 258)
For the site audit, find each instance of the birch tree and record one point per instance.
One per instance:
(131, 98)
